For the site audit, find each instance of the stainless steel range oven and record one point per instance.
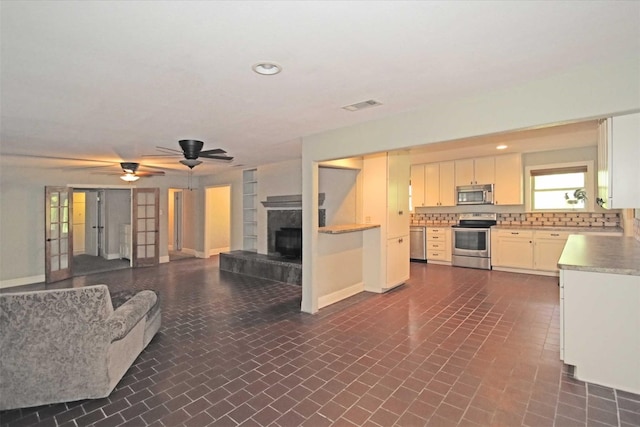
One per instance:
(472, 240)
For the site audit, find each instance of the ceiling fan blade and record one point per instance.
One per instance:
(153, 167)
(168, 150)
(35, 156)
(148, 174)
(227, 158)
(214, 151)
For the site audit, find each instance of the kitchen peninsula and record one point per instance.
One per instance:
(599, 310)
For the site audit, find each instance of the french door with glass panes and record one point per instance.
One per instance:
(145, 226)
(58, 246)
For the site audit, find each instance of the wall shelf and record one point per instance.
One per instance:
(250, 210)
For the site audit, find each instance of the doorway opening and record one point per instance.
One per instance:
(217, 227)
(101, 230)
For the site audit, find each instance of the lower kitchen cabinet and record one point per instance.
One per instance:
(530, 251)
(439, 245)
(599, 321)
(397, 260)
(547, 248)
(512, 249)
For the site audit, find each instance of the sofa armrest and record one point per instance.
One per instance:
(125, 317)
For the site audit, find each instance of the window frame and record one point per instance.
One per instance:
(589, 185)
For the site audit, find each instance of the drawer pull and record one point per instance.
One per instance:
(514, 232)
(555, 234)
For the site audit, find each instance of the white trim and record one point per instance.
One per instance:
(21, 281)
(334, 297)
(113, 256)
(164, 259)
(590, 186)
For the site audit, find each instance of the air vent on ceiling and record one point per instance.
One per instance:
(362, 105)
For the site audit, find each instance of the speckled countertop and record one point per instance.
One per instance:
(618, 230)
(346, 228)
(602, 254)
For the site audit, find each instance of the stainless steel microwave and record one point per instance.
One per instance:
(474, 194)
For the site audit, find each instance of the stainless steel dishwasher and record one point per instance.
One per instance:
(418, 243)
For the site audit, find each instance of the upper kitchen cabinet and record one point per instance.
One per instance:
(417, 186)
(618, 169)
(508, 188)
(439, 184)
(475, 171)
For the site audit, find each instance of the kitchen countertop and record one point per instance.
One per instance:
(346, 228)
(602, 254)
(553, 228)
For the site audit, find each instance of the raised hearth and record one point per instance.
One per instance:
(264, 266)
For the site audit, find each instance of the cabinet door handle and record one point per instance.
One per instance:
(400, 212)
(400, 240)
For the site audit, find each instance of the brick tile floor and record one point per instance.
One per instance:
(452, 347)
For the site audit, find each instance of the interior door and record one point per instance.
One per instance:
(145, 226)
(58, 246)
(92, 223)
(177, 218)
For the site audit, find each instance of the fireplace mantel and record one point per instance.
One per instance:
(288, 201)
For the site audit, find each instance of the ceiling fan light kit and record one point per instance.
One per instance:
(129, 177)
(191, 163)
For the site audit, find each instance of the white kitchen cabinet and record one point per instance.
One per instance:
(508, 188)
(417, 186)
(386, 202)
(599, 321)
(398, 173)
(512, 248)
(618, 154)
(547, 248)
(397, 260)
(439, 245)
(439, 184)
(475, 171)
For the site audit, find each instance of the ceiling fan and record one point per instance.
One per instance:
(192, 151)
(132, 173)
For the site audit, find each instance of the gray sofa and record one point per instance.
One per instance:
(70, 344)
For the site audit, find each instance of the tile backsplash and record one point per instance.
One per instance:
(555, 219)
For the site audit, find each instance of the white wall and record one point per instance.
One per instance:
(340, 188)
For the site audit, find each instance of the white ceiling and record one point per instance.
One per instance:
(113, 80)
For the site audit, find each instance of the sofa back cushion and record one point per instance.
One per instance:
(44, 332)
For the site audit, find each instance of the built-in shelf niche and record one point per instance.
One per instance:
(250, 210)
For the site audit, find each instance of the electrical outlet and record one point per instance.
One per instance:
(367, 220)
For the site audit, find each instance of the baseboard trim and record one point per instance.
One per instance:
(21, 281)
(336, 296)
(218, 251)
(526, 271)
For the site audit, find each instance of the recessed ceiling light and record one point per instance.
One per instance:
(501, 147)
(267, 68)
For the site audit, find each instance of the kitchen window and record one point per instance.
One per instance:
(560, 187)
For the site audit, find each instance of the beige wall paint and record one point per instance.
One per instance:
(218, 221)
